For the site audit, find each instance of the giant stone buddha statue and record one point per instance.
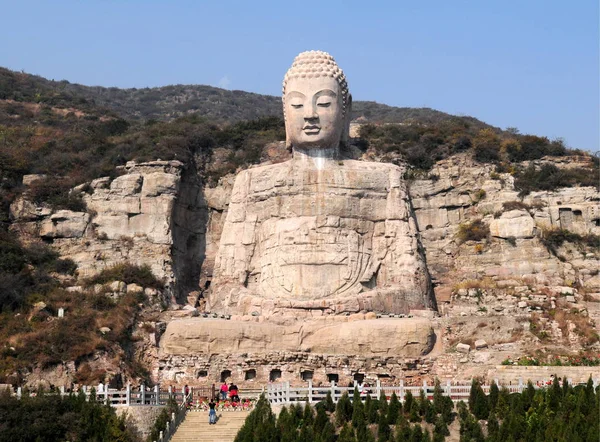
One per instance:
(314, 256)
(319, 234)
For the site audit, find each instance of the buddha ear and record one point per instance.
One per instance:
(347, 119)
(288, 141)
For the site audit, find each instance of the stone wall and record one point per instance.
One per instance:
(142, 417)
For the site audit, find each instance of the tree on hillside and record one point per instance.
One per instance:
(478, 401)
(259, 425)
(394, 409)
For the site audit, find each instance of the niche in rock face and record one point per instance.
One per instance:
(306, 375)
(225, 374)
(250, 374)
(333, 377)
(359, 377)
(275, 375)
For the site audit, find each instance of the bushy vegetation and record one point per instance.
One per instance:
(129, 274)
(422, 145)
(175, 101)
(160, 424)
(558, 413)
(74, 148)
(25, 271)
(550, 177)
(554, 238)
(49, 418)
(38, 338)
(475, 230)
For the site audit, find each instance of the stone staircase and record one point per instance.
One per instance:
(195, 427)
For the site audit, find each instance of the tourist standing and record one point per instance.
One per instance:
(224, 390)
(212, 413)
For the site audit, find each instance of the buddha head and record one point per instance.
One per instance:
(316, 103)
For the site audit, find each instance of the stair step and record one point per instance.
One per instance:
(195, 427)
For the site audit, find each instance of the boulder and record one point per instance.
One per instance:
(159, 183)
(463, 348)
(118, 286)
(134, 288)
(126, 184)
(24, 210)
(514, 223)
(64, 224)
(480, 343)
(30, 178)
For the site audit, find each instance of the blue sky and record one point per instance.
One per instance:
(530, 64)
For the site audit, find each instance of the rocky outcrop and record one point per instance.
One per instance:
(410, 337)
(130, 219)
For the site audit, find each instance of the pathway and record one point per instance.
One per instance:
(195, 427)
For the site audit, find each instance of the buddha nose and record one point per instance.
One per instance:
(310, 112)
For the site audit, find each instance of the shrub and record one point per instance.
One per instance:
(486, 147)
(57, 193)
(554, 238)
(129, 274)
(550, 177)
(476, 230)
(515, 205)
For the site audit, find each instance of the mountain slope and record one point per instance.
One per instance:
(169, 102)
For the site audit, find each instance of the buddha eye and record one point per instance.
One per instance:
(297, 106)
(324, 104)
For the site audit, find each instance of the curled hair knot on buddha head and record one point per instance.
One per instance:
(315, 64)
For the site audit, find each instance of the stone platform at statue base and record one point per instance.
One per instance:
(205, 350)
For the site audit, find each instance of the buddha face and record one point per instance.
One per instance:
(314, 113)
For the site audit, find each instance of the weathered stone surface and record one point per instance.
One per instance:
(389, 337)
(515, 224)
(30, 178)
(65, 224)
(480, 343)
(463, 348)
(24, 210)
(126, 184)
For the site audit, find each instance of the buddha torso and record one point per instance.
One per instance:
(306, 231)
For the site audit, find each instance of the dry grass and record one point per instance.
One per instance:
(484, 283)
(43, 343)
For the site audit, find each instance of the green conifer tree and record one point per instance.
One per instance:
(347, 434)
(478, 402)
(308, 417)
(493, 429)
(383, 428)
(329, 404)
(383, 403)
(328, 433)
(321, 419)
(260, 425)
(373, 414)
(394, 409)
(494, 394)
(441, 427)
(343, 410)
(408, 403)
(403, 431)
(417, 434)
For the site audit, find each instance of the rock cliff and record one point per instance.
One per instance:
(512, 287)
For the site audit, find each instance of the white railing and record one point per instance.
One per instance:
(284, 393)
(176, 419)
(129, 396)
